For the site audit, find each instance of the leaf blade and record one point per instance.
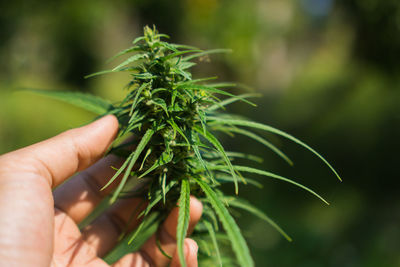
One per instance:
(238, 203)
(183, 219)
(275, 131)
(89, 102)
(238, 243)
(275, 176)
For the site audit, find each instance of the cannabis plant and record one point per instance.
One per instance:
(174, 119)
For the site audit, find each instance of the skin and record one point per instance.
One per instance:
(38, 225)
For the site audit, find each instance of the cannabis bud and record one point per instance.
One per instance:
(174, 120)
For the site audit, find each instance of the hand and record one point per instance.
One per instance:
(38, 227)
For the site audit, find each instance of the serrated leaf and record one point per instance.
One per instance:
(226, 178)
(142, 144)
(168, 46)
(89, 102)
(275, 131)
(182, 46)
(211, 232)
(275, 176)
(135, 100)
(194, 143)
(242, 204)
(215, 90)
(98, 73)
(238, 243)
(214, 141)
(260, 140)
(148, 152)
(158, 196)
(144, 76)
(165, 158)
(138, 39)
(179, 130)
(185, 74)
(161, 103)
(123, 52)
(130, 60)
(183, 219)
(186, 65)
(230, 101)
(179, 53)
(208, 52)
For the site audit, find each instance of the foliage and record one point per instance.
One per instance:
(174, 120)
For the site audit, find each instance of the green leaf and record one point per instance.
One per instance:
(230, 101)
(179, 130)
(126, 51)
(275, 176)
(155, 200)
(120, 170)
(168, 46)
(182, 46)
(183, 219)
(211, 232)
(138, 229)
(245, 156)
(138, 39)
(238, 243)
(214, 90)
(268, 128)
(144, 76)
(148, 152)
(242, 204)
(135, 100)
(187, 75)
(98, 73)
(142, 144)
(89, 102)
(194, 81)
(176, 54)
(165, 158)
(227, 178)
(162, 35)
(161, 103)
(260, 140)
(187, 65)
(214, 141)
(208, 52)
(196, 150)
(149, 227)
(130, 60)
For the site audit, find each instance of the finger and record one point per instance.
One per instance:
(167, 234)
(69, 248)
(138, 259)
(78, 196)
(60, 157)
(190, 251)
(132, 260)
(26, 177)
(104, 232)
(81, 194)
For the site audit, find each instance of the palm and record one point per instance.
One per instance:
(30, 236)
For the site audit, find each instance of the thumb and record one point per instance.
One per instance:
(60, 157)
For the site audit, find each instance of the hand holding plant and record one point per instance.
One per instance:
(176, 120)
(33, 233)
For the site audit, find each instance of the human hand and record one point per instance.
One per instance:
(38, 227)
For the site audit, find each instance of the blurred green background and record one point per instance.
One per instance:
(329, 73)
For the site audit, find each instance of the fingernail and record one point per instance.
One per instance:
(191, 247)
